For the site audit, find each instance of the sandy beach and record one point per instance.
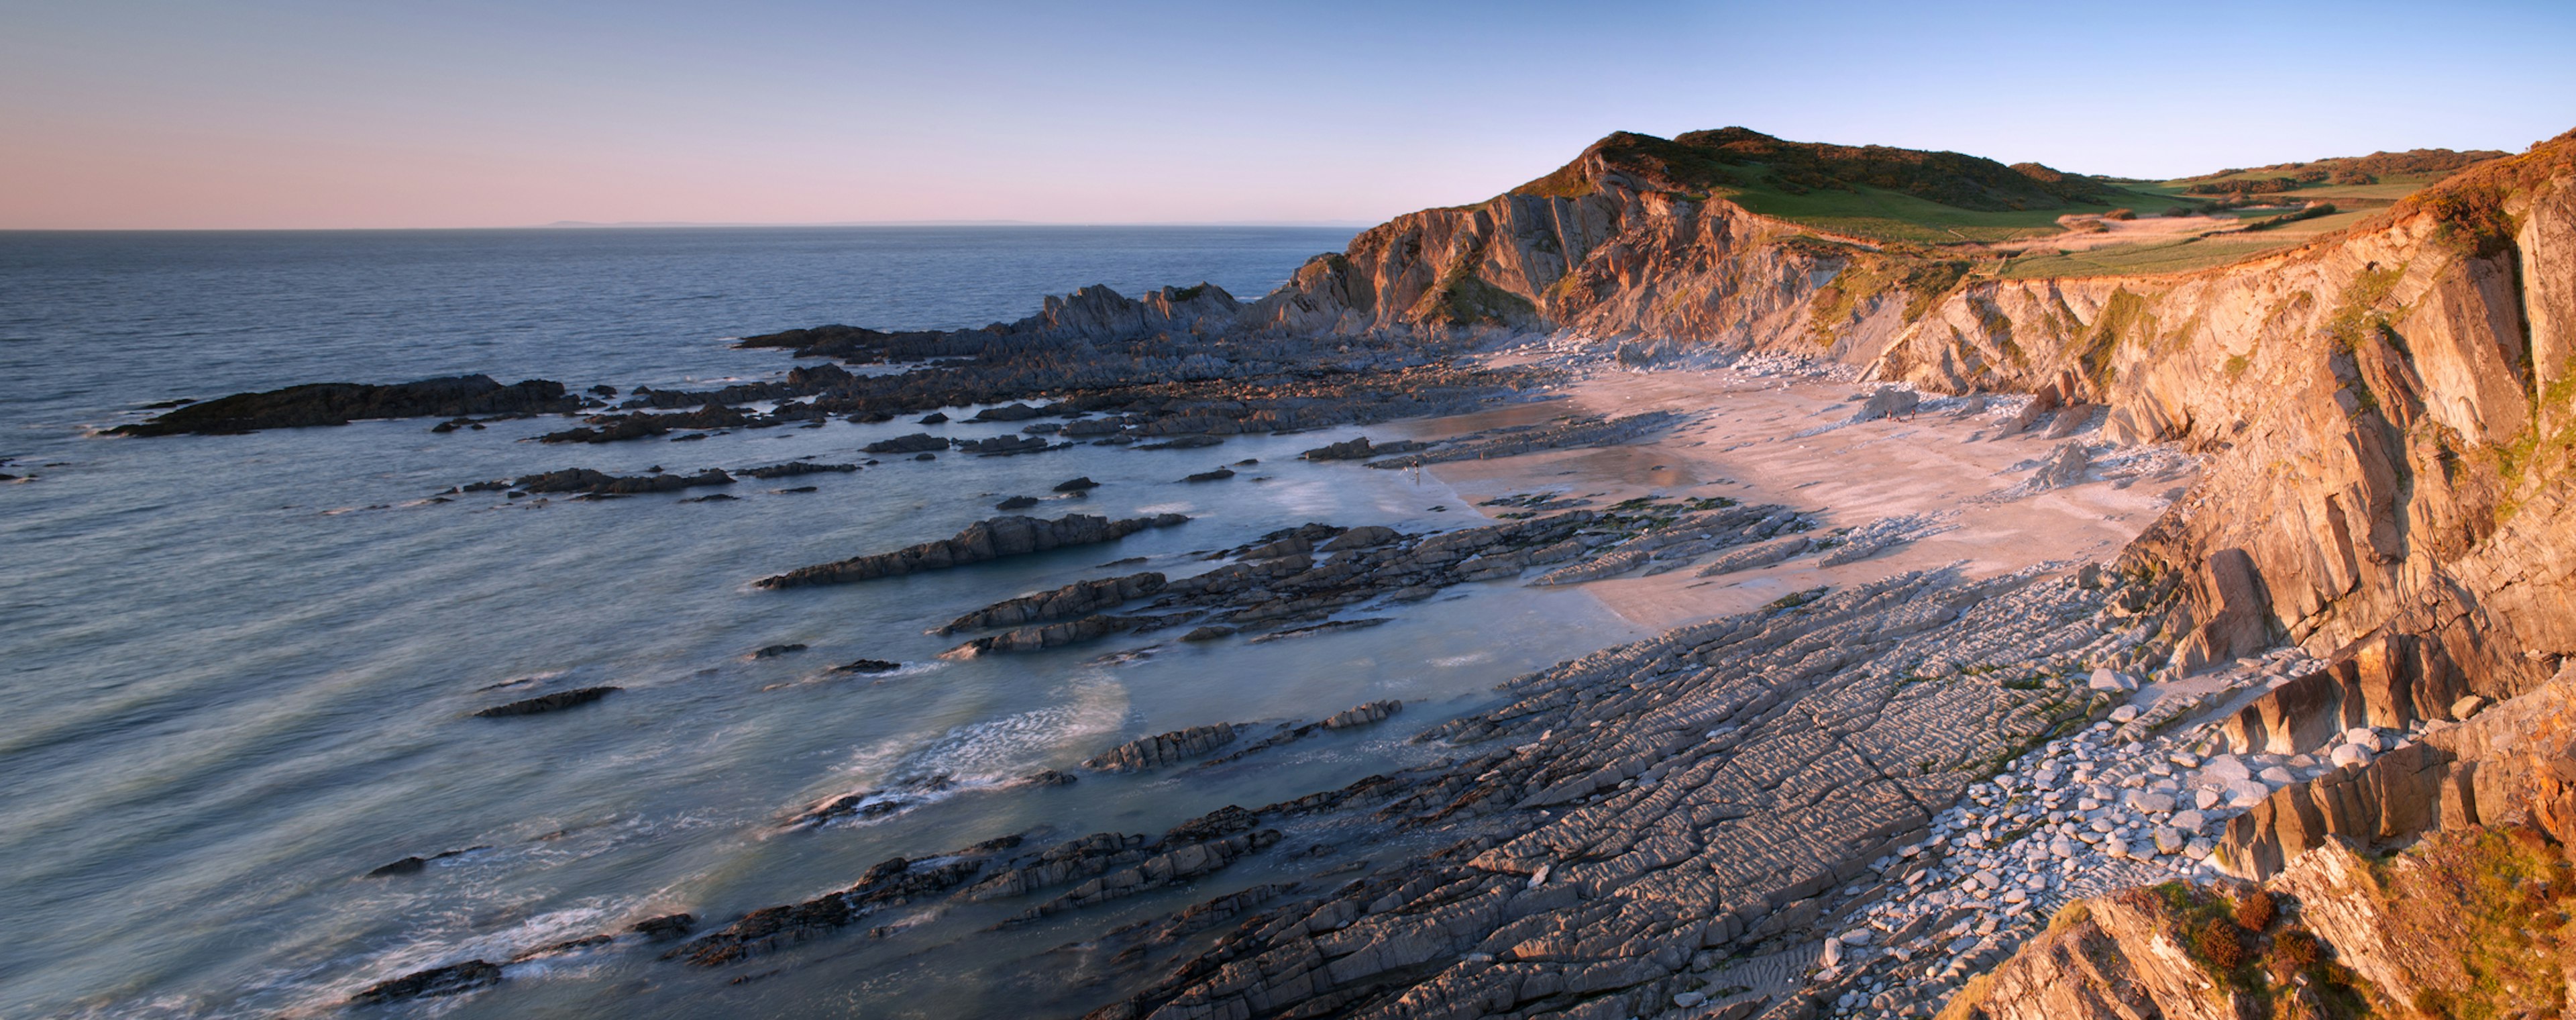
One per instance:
(1793, 442)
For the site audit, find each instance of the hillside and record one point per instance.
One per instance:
(2024, 220)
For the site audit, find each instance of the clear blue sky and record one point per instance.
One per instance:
(348, 113)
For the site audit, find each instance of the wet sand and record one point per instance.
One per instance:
(1770, 440)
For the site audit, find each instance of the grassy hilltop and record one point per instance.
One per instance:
(2023, 220)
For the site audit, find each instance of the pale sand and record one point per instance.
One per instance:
(1743, 445)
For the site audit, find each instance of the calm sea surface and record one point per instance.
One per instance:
(236, 671)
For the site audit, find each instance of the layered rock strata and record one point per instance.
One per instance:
(341, 403)
(981, 541)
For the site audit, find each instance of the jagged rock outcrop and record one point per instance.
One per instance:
(450, 979)
(2499, 766)
(601, 483)
(341, 403)
(890, 883)
(1165, 748)
(1080, 598)
(981, 541)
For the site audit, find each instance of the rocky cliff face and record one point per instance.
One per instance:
(2388, 416)
(2388, 410)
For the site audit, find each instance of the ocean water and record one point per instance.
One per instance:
(236, 672)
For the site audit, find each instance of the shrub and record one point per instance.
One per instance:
(2220, 945)
(2295, 951)
(2121, 214)
(2255, 912)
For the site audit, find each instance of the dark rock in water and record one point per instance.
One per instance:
(1208, 633)
(1184, 443)
(925, 456)
(798, 489)
(774, 651)
(690, 438)
(1056, 635)
(1050, 777)
(491, 486)
(869, 666)
(565, 946)
(935, 418)
(1016, 503)
(1287, 733)
(918, 442)
(890, 883)
(1008, 412)
(164, 405)
(1361, 449)
(1217, 475)
(413, 865)
(604, 390)
(902, 796)
(342, 403)
(557, 701)
(1080, 598)
(999, 446)
(611, 428)
(1362, 715)
(1247, 462)
(585, 480)
(453, 979)
(665, 926)
(717, 498)
(798, 467)
(981, 541)
(1327, 627)
(1083, 484)
(1165, 748)
(870, 418)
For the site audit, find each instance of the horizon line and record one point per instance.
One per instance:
(578, 225)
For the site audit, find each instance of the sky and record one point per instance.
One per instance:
(118, 114)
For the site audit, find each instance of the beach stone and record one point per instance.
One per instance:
(2205, 798)
(2190, 821)
(2222, 770)
(2350, 756)
(2107, 679)
(2124, 713)
(2150, 801)
(2468, 706)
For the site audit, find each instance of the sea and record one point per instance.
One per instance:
(238, 673)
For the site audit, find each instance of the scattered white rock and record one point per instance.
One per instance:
(2350, 756)
(2107, 679)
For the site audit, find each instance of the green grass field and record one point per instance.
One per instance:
(2158, 257)
(1893, 216)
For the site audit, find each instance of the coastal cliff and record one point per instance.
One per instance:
(2385, 419)
(2387, 409)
